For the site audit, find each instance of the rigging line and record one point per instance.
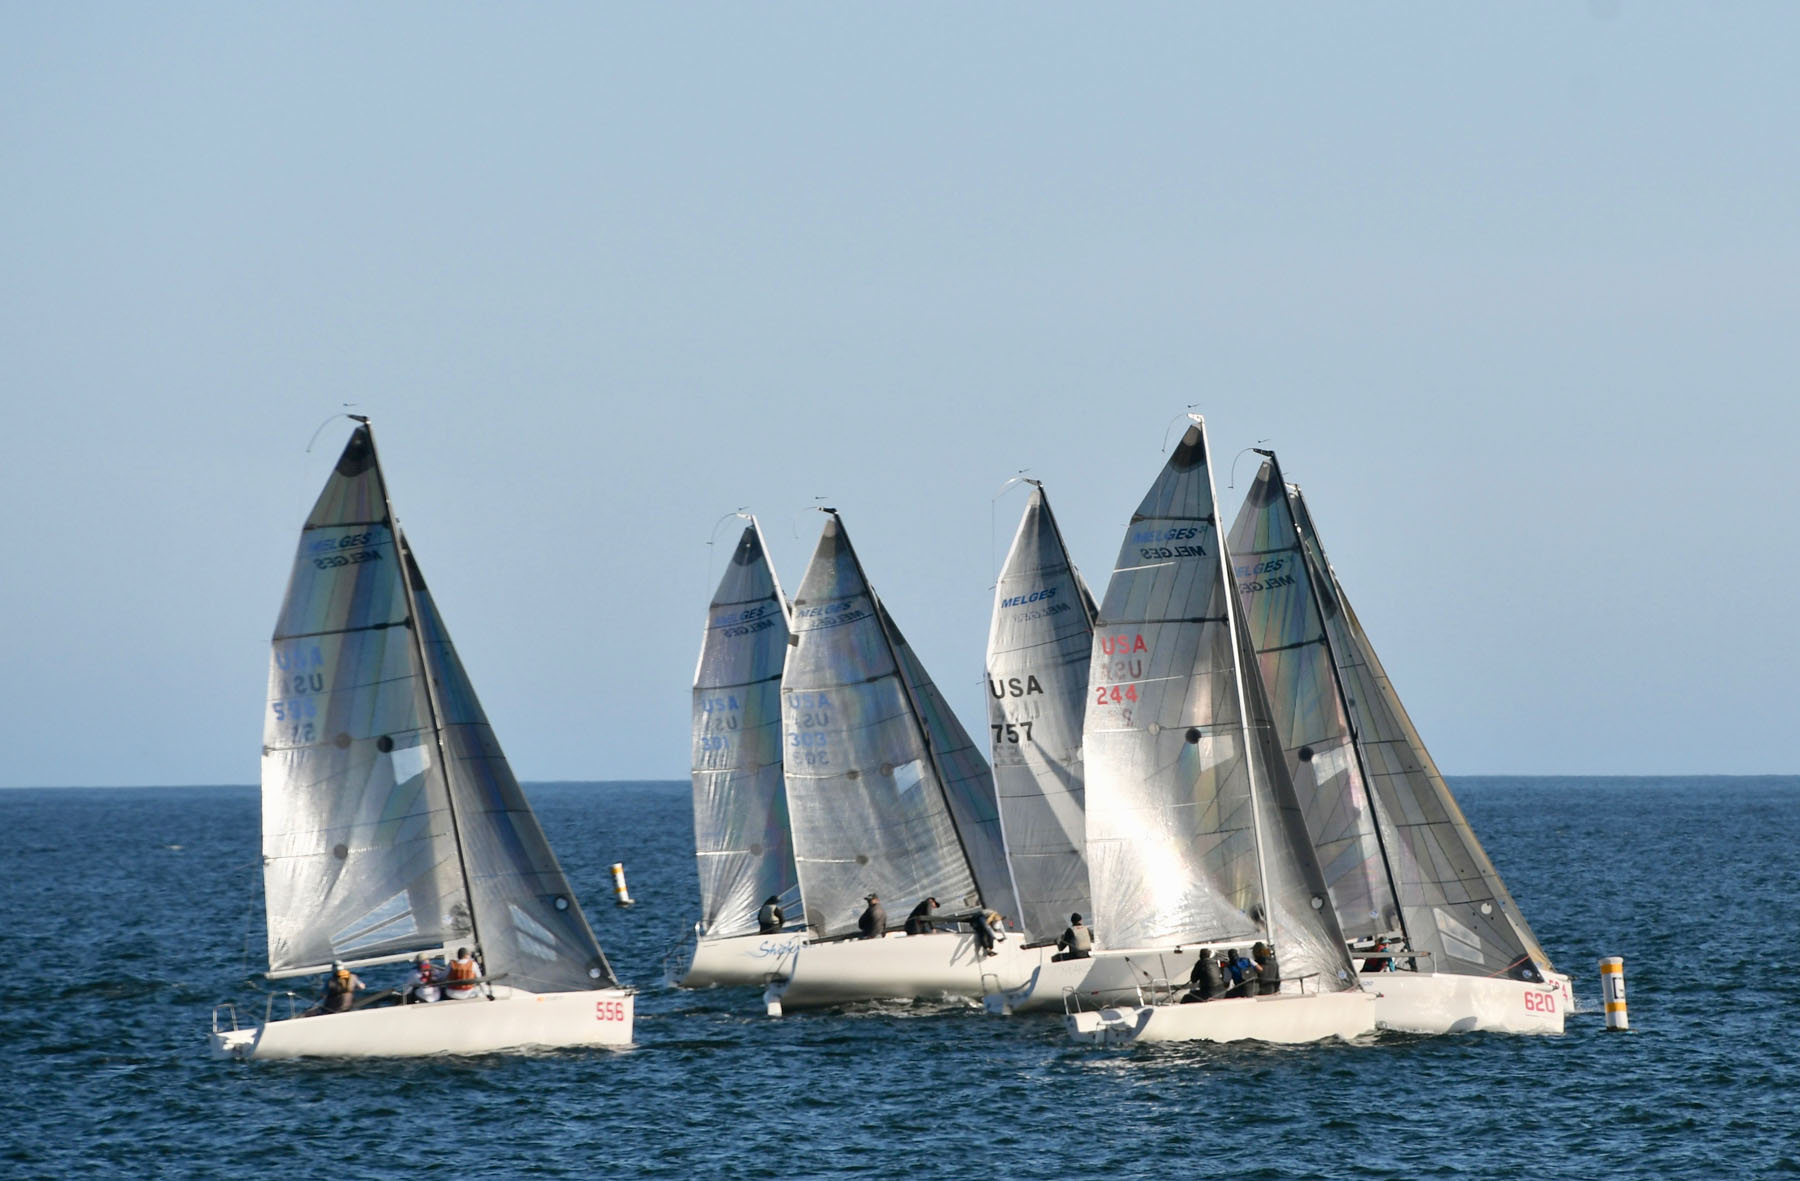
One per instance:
(1187, 414)
(362, 418)
(1260, 444)
(742, 511)
(794, 516)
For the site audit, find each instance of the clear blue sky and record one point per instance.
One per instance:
(1513, 288)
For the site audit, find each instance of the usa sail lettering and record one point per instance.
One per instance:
(1118, 656)
(609, 1010)
(1014, 687)
(808, 710)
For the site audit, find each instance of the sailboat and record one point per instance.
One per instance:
(1040, 644)
(741, 837)
(887, 796)
(1195, 838)
(1446, 947)
(392, 825)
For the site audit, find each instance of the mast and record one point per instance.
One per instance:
(408, 577)
(1228, 577)
(1362, 770)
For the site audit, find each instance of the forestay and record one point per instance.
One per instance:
(1288, 632)
(375, 844)
(740, 806)
(1184, 779)
(865, 799)
(1453, 902)
(1039, 646)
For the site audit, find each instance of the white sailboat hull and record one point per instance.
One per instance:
(899, 967)
(512, 1021)
(741, 960)
(1433, 1003)
(1282, 1018)
(1106, 979)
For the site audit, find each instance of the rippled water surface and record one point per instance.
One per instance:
(131, 912)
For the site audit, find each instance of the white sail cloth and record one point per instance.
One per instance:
(1040, 643)
(1194, 835)
(741, 838)
(868, 799)
(1285, 626)
(391, 821)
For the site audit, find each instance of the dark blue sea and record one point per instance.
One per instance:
(131, 912)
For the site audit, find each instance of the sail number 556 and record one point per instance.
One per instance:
(609, 1010)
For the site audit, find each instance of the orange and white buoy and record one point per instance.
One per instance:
(621, 896)
(1612, 991)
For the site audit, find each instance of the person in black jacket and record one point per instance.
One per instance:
(873, 923)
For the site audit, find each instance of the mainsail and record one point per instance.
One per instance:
(740, 808)
(1452, 900)
(1285, 625)
(866, 796)
(391, 822)
(1194, 835)
(1040, 643)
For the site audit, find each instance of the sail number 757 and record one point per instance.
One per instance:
(1011, 731)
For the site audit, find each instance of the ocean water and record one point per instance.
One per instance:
(131, 912)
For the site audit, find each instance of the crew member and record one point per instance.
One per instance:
(1076, 943)
(1268, 973)
(919, 921)
(424, 989)
(873, 923)
(462, 969)
(1208, 982)
(988, 926)
(341, 988)
(771, 917)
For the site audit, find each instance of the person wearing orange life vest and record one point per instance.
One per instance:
(340, 991)
(462, 968)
